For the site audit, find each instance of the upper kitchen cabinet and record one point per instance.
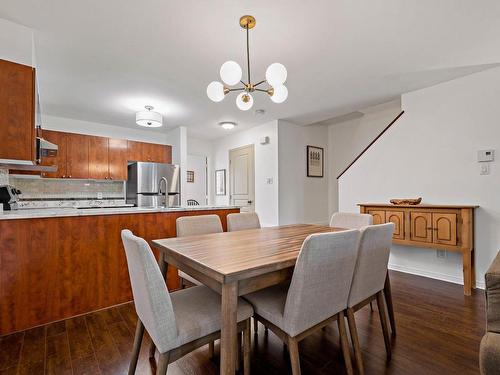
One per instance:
(117, 159)
(77, 155)
(134, 152)
(98, 157)
(17, 111)
(156, 153)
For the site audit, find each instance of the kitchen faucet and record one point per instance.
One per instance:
(166, 190)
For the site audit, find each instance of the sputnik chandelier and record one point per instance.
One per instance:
(231, 75)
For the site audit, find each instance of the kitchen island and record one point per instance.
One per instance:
(58, 263)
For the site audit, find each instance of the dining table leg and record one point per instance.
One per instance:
(228, 345)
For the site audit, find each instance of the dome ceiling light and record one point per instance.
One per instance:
(149, 118)
(231, 74)
(228, 125)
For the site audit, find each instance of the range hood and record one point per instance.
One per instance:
(44, 148)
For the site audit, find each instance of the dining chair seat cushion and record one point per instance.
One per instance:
(191, 279)
(269, 303)
(198, 313)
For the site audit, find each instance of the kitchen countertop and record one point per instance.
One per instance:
(64, 212)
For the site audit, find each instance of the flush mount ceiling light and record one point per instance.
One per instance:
(149, 118)
(231, 75)
(227, 125)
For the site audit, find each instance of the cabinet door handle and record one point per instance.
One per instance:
(64, 176)
(111, 178)
(69, 176)
(106, 177)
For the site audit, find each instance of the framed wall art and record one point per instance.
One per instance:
(220, 182)
(315, 161)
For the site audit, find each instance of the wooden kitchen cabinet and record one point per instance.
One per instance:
(442, 227)
(77, 156)
(117, 159)
(98, 158)
(17, 111)
(57, 267)
(134, 152)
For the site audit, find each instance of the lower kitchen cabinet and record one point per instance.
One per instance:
(55, 268)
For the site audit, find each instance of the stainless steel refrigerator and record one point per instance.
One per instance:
(153, 185)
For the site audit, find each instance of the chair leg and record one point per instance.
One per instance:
(152, 350)
(355, 341)
(139, 334)
(344, 343)
(255, 326)
(383, 322)
(161, 369)
(371, 306)
(388, 301)
(211, 349)
(293, 347)
(246, 348)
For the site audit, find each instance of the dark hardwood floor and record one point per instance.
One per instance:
(439, 331)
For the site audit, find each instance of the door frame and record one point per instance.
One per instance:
(252, 145)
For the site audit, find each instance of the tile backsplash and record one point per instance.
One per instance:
(40, 188)
(4, 176)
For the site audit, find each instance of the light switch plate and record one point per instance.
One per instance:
(485, 155)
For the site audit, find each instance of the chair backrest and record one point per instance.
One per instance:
(371, 265)
(350, 220)
(321, 280)
(151, 298)
(196, 225)
(242, 221)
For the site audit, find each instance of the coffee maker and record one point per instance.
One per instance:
(9, 196)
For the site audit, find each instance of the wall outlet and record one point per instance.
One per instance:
(485, 169)
(99, 195)
(269, 180)
(441, 254)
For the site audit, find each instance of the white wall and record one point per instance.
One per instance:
(16, 43)
(346, 139)
(302, 199)
(197, 189)
(202, 147)
(431, 152)
(266, 166)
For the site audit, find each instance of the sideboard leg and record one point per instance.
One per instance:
(467, 266)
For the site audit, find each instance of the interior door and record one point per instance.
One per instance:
(242, 178)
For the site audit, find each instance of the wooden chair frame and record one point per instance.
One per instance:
(293, 342)
(379, 297)
(173, 355)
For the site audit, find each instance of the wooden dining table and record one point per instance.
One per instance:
(234, 264)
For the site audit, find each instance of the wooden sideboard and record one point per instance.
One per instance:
(443, 227)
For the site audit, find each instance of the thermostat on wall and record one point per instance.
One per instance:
(485, 155)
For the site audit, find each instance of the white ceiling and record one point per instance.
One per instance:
(102, 60)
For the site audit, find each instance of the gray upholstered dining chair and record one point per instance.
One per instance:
(350, 220)
(242, 221)
(368, 281)
(193, 226)
(316, 296)
(177, 322)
